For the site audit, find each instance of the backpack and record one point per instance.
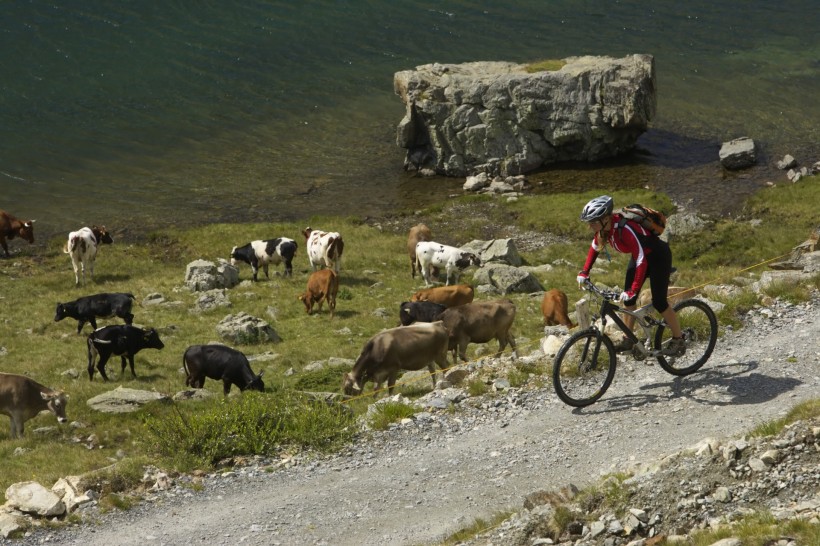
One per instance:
(650, 219)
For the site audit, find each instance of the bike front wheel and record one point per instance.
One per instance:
(584, 368)
(700, 330)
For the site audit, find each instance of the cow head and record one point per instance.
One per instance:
(60, 314)
(102, 235)
(306, 232)
(467, 259)
(307, 300)
(56, 402)
(233, 256)
(256, 384)
(349, 384)
(26, 231)
(151, 339)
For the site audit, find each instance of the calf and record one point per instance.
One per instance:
(22, 398)
(479, 322)
(554, 309)
(448, 296)
(324, 248)
(321, 286)
(11, 227)
(219, 362)
(418, 233)
(432, 255)
(271, 251)
(419, 311)
(82, 248)
(89, 308)
(404, 348)
(123, 341)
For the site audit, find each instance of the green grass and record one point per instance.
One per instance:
(546, 65)
(374, 275)
(802, 411)
(759, 530)
(388, 413)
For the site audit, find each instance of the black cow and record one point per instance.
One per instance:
(89, 308)
(272, 251)
(419, 311)
(219, 362)
(123, 341)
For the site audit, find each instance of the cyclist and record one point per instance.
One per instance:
(649, 256)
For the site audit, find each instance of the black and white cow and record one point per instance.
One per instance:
(261, 253)
(123, 341)
(89, 308)
(419, 311)
(219, 362)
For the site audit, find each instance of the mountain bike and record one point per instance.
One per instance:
(585, 364)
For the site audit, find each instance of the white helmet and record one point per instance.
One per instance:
(597, 208)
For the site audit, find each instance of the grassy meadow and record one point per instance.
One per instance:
(375, 279)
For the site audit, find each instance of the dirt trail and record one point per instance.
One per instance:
(419, 482)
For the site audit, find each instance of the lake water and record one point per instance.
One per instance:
(139, 115)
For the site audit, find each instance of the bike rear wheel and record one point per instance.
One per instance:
(584, 368)
(700, 330)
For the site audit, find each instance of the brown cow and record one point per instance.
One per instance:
(418, 233)
(674, 294)
(479, 322)
(321, 286)
(448, 296)
(554, 309)
(11, 227)
(404, 348)
(22, 398)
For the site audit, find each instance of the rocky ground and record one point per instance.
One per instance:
(437, 472)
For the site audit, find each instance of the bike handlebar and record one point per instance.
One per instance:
(611, 295)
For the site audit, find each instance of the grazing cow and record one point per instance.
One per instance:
(404, 348)
(674, 294)
(324, 248)
(321, 286)
(123, 341)
(22, 398)
(448, 296)
(419, 311)
(431, 255)
(418, 233)
(554, 309)
(219, 362)
(82, 247)
(89, 308)
(479, 322)
(11, 227)
(271, 251)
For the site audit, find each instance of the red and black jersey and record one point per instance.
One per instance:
(627, 237)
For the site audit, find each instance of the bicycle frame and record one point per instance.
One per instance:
(641, 350)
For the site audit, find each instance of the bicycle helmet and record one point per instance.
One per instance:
(597, 208)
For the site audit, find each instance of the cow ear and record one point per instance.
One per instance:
(46, 396)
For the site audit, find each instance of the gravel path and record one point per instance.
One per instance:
(423, 480)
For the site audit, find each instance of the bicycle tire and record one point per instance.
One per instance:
(700, 329)
(578, 379)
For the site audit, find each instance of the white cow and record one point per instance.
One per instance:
(324, 248)
(82, 247)
(431, 255)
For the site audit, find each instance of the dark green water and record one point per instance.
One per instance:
(144, 114)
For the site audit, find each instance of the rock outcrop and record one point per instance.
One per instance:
(496, 117)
